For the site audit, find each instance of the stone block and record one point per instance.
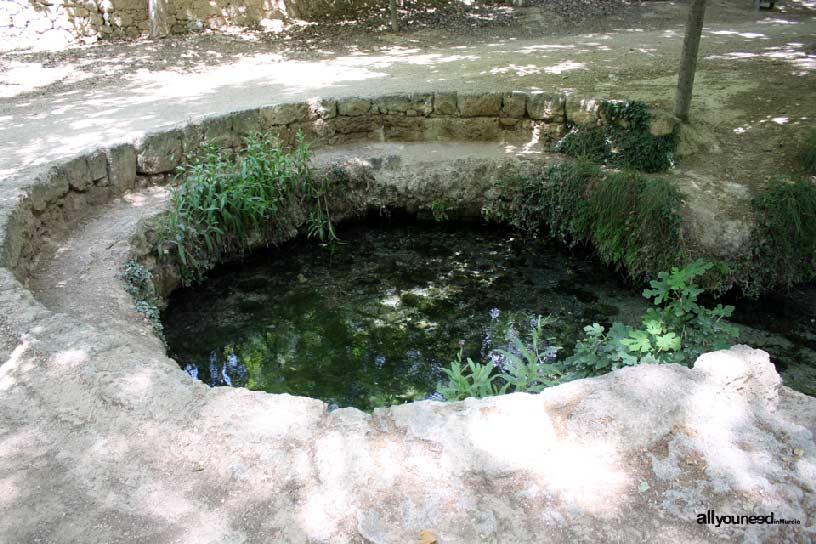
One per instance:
(323, 108)
(49, 187)
(217, 130)
(121, 164)
(445, 104)
(77, 173)
(350, 125)
(246, 123)
(479, 104)
(662, 123)
(353, 107)
(545, 106)
(159, 152)
(98, 167)
(407, 104)
(514, 105)
(403, 128)
(477, 130)
(581, 111)
(285, 114)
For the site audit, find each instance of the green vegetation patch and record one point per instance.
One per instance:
(806, 155)
(628, 218)
(784, 239)
(623, 140)
(224, 201)
(139, 285)
(678, 329)
(632, 223)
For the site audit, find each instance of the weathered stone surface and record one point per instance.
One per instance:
(449, 129)
(353, 107)
(245, 123)
(98, 167)
(351, 125)
(77, 173)
(581, 110)
(48, 188)
(159, 152)
(514, 105)
(445, 103)
(662, 123)
(479, 104)
(121, 165)
(546, 106)
(217, 130)
(323, 108)
(409, 104)
(284, 114)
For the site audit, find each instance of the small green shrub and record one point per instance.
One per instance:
(677, 330)
(224, 200)
(623, 140)
(525, 369)
(468, 380)
(439, 211)
(531, 369)
(139, 284)
(784, 238)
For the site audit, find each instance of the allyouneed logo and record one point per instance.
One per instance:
(711, 518)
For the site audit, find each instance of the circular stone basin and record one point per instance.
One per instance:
(371, 320)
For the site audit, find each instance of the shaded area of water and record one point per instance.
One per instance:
(371, 321)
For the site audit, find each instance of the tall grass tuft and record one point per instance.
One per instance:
(225, 200)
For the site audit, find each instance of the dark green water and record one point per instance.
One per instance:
(370, 321)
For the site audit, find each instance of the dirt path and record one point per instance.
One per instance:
(754, 91)
(80, 276)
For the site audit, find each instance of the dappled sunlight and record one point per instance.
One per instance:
(322, 513)
(11, 365)
(717, 438)
(747, 35)
(566, 66)
(22, 78)
(520, 435)
(151, 196)
(70, 358)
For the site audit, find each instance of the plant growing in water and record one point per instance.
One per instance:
(225, 201)
(468, 380)
(528, 369)
(677, 330)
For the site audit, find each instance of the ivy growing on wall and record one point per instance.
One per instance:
(623, 139)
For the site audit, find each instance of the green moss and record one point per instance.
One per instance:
(784, 239)
(623, 140)
(629, 219)
(631, 222)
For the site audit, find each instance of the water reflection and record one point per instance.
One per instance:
(371, 321)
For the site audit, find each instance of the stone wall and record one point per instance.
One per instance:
(43, 206)
(52, 24)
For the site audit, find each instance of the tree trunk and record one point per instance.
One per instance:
(688, 60)
(157, 18)
(392, 6)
